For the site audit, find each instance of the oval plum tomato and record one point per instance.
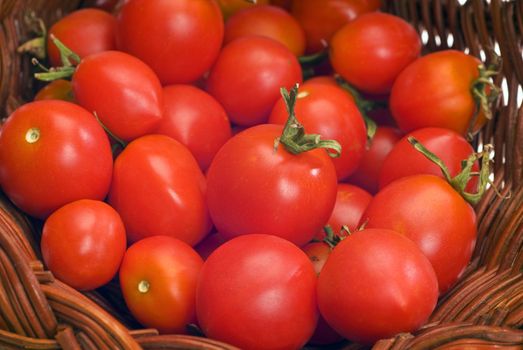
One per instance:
(375, 284)
(192, 29)
(367, 174)
(268, 21)
(268, 283)
(123, 92)
(83, 243)
(372, 50)
(332, 113)
(253, 188)
(435, 91)
(249, 98)
(59, 89)
(230, 7)
(158, 278)
(51, 153)
(426, 209)
(85, 32)
(196, 119)
(158, 189)
(405, 160)
(321, 19)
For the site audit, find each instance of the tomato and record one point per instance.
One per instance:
(158, 278)
(249, 98)
(158, 189)
(321, 19)
(85, 32)
(230, 7)
(209, 244)
(426, 209)
(257, 292)
(253, 188)
(405, 160)
(330, 112)
(372, 50)
(123, 92)
(367, 174)
(196, 119)
(83, 243)
(376, 283)
(178, 39)
(51, 153)
(60, 89)
(435, 91)
(268, 21)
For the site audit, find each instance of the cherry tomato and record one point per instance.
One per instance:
(330, 112)
(83, 243)
(249, 98)
(59, 89)
(230, 7)
(123, 92)
(257, 292)
(158, 278)
(268, 21)
(51, 153)
(322, 18)
(435, 91)
(426, 209)
(372, 50)
(85, 32)
(158, 189)
(376, 283)
(178, 39)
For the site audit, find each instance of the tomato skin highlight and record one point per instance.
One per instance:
(252, 188)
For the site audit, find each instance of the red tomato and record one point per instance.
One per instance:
(158, 278)
(249, 98)
(426, 209)
(257, 292)
(318, 252)
(322, 18)
(123, 91)
(435, 91)
(230, 7)
(85, 32)
(372, 50)
(330, 112)
(375, 284)
(253, 188)
(51, 153)
(158, 189)
(268, 21)
(367, 174)
(196, 119)
(405, 160)
(83, 243)
(178, 39)
(59, 89)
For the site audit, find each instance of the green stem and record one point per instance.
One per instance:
(35, 46)
(315, 58)
(69, 60)
(119, 142)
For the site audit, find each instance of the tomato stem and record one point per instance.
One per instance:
(69, 60)
(120, 143)
(143, 286)
(35, 46)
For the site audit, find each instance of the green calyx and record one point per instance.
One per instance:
(69, 61)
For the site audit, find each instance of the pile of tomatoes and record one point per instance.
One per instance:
(219, 159)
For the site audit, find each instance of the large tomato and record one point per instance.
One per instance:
(51, 153)
(426, 209)
(257, 292)
(83, 243)
(178, 39)
(158, 279)
(158, 189)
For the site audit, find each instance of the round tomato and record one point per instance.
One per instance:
(196, 119)
(426, 209)
(254, 188)
(59, 89)
(68, 243)
(51, 153)
(158, 189)
(257, 292)
(376, 283)
(178, 39)
(158, 278)
(123, 92)
(249, 98)
(85, 32)
(372, 50)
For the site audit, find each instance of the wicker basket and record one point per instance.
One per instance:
(485, 307)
